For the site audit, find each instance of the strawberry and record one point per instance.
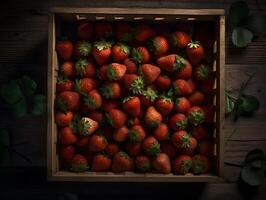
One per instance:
(111, 90)
(116, 118)
(97, 116)
(163, 82)
(85, 68)
(136, 134)
(151, 146)
(168, 148)
(63, 84)
(164, 105)
(195, 52)
(66, 154)
(67, 136)
(133, 83)
(122, 162)
(107, 131)
(182, 164)
(104, 30)
(115, 71)
(161, 132)
(133, 121)
(120, 52)
(178, 122)
(184, 142)
(200, 132)
(207, 86)
(83, 141)
(191, 147)
(101, 52)
(143, 163)
(64, 49)
(143, 32)
(87, 126)
(79, 163)
(132, 105)
(92, 100)
(140, 55)
(97, 143)
(63, 119)
(196, 115)
(196, 98)
(67, 69)
(121, 134)
(192, 84)
(150, 73)
(172, 62)
(68, 101)
(158, 45)
(85, 31)
(123, 32)
(101, 163)
(152, 117)
(148, 97)
(182, 105)
(200, 164)
(162, 163)
(132, 68)
(112, 149)
(209, 112)
(185, 71)
(182, 87)
(82, 49)
(108, 105)
(85, 85)
(180, 39)
(133, 148)
(202, 72)
(206, 147)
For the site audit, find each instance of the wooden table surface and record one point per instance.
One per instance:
(23, 50)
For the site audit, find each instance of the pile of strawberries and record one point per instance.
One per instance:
(136, 97)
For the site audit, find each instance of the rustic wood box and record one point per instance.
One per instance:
(59, 15)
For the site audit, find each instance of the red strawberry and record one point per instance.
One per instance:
(209, 112)
(116, 118)
(184, 142)
(123, 32)
(182, 164)
(122, 162)
(133, 148)
(182, 105)
(82, 49)
(108, 105)
(161, 132)
(140, 55)
(162, 163)
(104, 30)
(97, 116)
(185, 71)
(168, 148)
(85, 68)
(83, 142)
(121, 134)
(192, 84)
(85, 31)
(206, 147)
(115, 71)
(195, 52)
(68, 101)
(93, 100)
(143, 163)
(196, 115)
(159, 45)
(101, 52)
(133, 83)
(63, 119)
(148, 97)
(79, 163)
(207, 86)
(85, 85)
(67, 136)
(87, 126)
(143, 32)
(200, 164)
(66, 154)
(178, 122)
(151, 146)
(136, 134)
(112, 149)
(67, 69)
(97, 143)
(64, 49)
(164, 105)
(152, 117)
(202, 72)
(163, 82)
(111, 90)
(132, 68)
(120, 52)
(196, 98)
(200, 132)
(64, 85)
(182, 87)
(101, 163)
(180, 39)
(132, 106)
(191, 147)
(133, 121)
(172, 62)
(150, 73)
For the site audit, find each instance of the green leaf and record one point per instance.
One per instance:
(241, 37)
(238, 13)
(11, 92)
(249, 103)
(38, 104)
(4, 142)
(254, 155)
(252, 176)
(20, 108)
(255, 23)
(229, 104)
(28, 86)
(257, 164)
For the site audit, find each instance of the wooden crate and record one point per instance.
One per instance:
(58, 15)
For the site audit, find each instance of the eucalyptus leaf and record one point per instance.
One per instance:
(11, 92)
(27, 85)
(38, 104)
(252, 176)
(20, 108)
(238, 12)
(229, 104)
(249, 103)
(241, 37)
(255, 23)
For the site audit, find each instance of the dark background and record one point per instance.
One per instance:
(23, 50)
